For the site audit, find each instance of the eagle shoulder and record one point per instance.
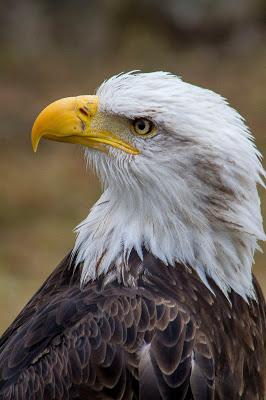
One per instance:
(168, 335)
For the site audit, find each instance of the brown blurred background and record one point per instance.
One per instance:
(51, 49)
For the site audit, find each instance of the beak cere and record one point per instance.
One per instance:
(70, 120)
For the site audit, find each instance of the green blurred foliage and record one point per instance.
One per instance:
(51, 49)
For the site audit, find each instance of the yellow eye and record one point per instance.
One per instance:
(142, 126)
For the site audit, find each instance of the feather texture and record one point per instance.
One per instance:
(169, 337)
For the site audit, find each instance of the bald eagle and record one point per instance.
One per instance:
(157, 299)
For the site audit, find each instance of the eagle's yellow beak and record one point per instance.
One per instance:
(71, 120)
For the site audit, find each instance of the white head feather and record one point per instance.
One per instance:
(190, 196)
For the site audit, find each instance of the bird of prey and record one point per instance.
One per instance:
(157, 299)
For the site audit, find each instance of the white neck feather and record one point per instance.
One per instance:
(172, 232)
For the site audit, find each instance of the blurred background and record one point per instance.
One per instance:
(52, 49)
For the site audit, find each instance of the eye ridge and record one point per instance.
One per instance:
(142, 126)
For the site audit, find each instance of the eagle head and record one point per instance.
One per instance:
(179, 171)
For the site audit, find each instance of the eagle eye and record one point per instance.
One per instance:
(142, 126)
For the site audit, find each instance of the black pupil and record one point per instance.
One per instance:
(141, 125)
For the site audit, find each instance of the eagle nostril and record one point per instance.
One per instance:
(83, 111)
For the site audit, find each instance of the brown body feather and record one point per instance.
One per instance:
(165, 337)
